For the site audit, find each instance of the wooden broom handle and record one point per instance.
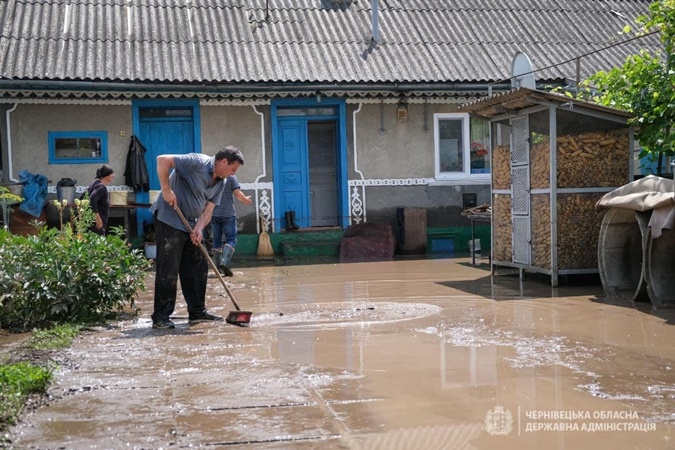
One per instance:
(208, 258)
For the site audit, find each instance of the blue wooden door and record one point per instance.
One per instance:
(162, 133)
(294, 182)
(162, 137)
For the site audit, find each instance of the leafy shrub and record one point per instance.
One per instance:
(66, 276)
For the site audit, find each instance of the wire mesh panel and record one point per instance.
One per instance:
(519, 138)
(521, 239)
(501, 226)
(521, 194)
(540, 151)
(541, 231)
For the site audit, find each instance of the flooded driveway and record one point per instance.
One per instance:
(425, 354)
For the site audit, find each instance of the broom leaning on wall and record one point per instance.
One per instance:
(264, 243)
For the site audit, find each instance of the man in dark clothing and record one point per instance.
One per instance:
(195, 186)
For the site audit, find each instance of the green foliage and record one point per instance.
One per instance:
(20, 378)
(66, 276)
(61, 336)
(17, 382)
(645, 84)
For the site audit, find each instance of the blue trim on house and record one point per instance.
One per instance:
(52, 136)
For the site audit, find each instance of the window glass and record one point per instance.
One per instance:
(462, 146)
(479, 150)
(315, 111)
(450, 145)
(165, 112)
(73, 147)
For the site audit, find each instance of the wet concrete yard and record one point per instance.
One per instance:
(424, 354)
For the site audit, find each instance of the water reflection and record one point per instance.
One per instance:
(415, 354)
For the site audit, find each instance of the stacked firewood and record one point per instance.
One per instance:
(578, 230)
(541, 231)
(501, 167)
(501, 226)
(480, 210)
(597, 159)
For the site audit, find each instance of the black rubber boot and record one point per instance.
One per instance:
(290, 221)
(295, 225)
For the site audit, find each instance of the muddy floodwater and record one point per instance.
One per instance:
(424, 354)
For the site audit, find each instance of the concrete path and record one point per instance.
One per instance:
(425, 354)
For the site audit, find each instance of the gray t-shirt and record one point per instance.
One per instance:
(226, 206)
(192, 182)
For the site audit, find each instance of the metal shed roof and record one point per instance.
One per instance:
(523, 98)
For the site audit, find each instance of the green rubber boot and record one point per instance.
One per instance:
(217, 256)
(224, 263)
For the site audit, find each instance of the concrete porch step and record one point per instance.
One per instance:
(310, 249)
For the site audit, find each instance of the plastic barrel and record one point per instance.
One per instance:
(620, 250)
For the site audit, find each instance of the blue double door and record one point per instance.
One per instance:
(308, 154)
(306, 165)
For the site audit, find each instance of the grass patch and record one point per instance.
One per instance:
(55, 338)
(17, 382)
(29, 370)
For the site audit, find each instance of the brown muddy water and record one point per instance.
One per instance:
(424, 354)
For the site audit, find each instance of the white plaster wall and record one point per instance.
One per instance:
(30, 149)
(222, 126)
(403, 149)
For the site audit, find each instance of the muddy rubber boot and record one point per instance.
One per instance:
(224, 263)
(217, 256)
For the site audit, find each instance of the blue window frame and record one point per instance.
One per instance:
(78, 147)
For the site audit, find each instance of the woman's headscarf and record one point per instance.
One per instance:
(104, 171)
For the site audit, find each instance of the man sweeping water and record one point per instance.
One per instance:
(195, 186)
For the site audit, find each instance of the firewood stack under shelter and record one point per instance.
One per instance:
(552, 159)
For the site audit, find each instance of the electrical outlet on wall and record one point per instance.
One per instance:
(123, 133)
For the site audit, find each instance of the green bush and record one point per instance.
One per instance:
(66, 276)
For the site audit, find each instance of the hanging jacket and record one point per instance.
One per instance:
(136, 172)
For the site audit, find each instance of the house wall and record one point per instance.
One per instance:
(390, 158)
(240, 126)
(402, 152)
(222, 126)
(29, 127)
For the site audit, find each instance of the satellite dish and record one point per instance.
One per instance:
(522, 74)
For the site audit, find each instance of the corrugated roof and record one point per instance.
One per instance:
(524, 98)
(312, 41)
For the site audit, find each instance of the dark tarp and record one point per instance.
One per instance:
(136, 173)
